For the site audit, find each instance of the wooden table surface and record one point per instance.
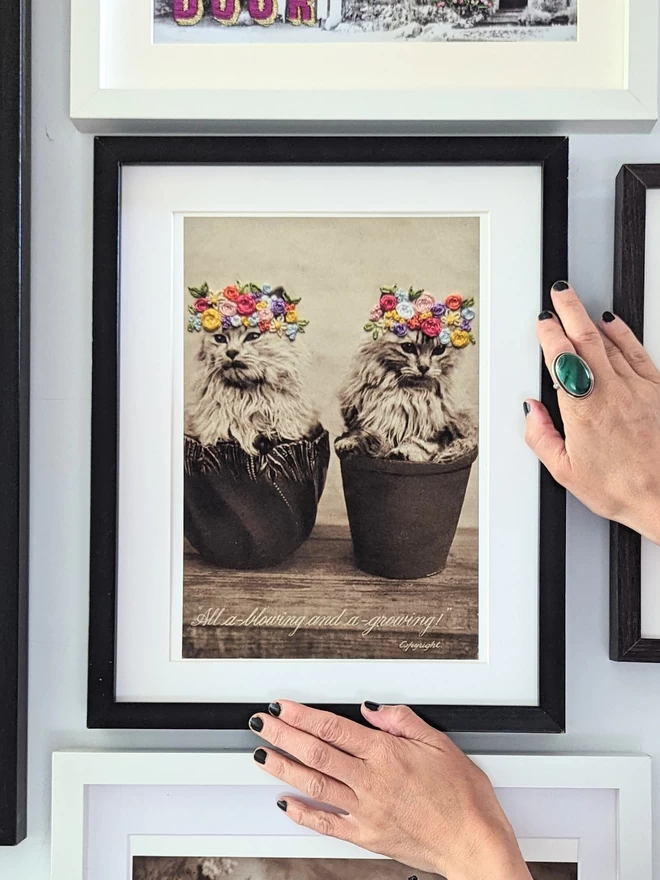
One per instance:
(319, 605)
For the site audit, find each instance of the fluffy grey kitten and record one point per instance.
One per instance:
(250, 390)
(401, 401)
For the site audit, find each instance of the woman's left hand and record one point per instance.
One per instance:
(404, 789)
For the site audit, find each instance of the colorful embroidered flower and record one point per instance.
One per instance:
(194, 323)
(454, 301)
(452, 318)
(262, 304)
(376, 313)
(276, 325)
(405, 310)
(245, 321)
(292, 331)
(389, 323)
(289, 307)
(459, 338)
(211, 320)
(391, 315)
(236, 321)
(201, 305)
(267, 288)
(231, 292)
(213, 299)
(468, 314)
(264, 326)
(265, 316)
(438, 310)
(402, 295)
(253, 320)
(388, 302)
(465, 325)
(226, 323)
(431, 327)
(445, 337)
(414, 323)
(227, 308)
(277, 305)
(424, 303)
(424, 316)
(245, 304)
(292, 317)
(400, 329)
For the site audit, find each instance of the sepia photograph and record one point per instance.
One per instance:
(312, 21)
(331, 376)
(183, 868)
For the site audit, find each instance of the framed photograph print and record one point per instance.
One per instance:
(138, 65)
(308, 472)
(14, 409)
(141, 816)
(635, 561)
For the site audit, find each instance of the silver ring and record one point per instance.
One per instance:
(572, 374)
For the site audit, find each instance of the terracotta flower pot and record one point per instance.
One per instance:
(403, 515)
(252, 511)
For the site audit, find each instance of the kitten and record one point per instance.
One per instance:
(400, 400)
(250, 390)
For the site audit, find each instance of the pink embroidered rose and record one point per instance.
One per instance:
(431, 327)
(424, 303)
(227, 309)
(232, 293)
(265, 316)
(245, 304)
(201, 305)
(388, 302)
(454, 301)
(376, 313)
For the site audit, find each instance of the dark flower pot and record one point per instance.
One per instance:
(252, 511)
(403, 515)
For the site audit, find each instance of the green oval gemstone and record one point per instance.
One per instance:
(572, 374)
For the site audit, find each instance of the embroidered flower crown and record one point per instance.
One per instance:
(404, 311)
(245, 305)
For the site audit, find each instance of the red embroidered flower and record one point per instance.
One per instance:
(232, 293)
(264, 326)
(388, 302)
(201, 305)
(454, 301)
(245, 304)
(431, 327)
(414, 323)
(289, 307)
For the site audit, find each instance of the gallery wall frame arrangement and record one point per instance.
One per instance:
(132, 816)
(137, 66)
(264, 523)
(634, 606)
(14, 404)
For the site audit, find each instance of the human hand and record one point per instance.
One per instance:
(610, 459)
(405, 790)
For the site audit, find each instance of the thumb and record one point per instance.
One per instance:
(402, 721)
(545, 440)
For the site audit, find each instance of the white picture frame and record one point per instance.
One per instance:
(601, 801)
(122, 81)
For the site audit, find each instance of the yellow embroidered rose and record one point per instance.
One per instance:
(261, 305)
(211, 320)
(424, 316)
(391, 315)
(291, 317)
(460, 338)
(245, 321)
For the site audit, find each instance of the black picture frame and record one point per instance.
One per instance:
(111, 154)
(14, 413)
(632, 185)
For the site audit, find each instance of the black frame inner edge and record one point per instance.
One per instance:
(111, 153)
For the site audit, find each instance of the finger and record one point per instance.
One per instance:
(545, 440)
(310, 782)
(615, 355)
(352, 738)
(312, 752)
(580, 329)
(552, 338)
(631, 348)
(402, 721)
(321, 821)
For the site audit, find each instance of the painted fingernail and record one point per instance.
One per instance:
(256, 723)
(608, 317)
(560, 286)
(260, 756)
(526, 408)
(544, 316)
(282, 805)
(372, 707)
(275, 709)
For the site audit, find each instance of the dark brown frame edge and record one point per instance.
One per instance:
(111, 153)
(632, 184)
(14, 412)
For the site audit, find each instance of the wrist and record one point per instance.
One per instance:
(495, 858)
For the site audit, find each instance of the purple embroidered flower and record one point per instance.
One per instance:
(438, 310)
(226, 323)
(277, 306)
(465, 325)
(400, 329)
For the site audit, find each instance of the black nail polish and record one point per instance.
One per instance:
(560, 286)
(275, 709)
(608, 317)
(260, 756)
(545, 316)
(256, 723)
(372, 707)
(282, 805)
(526, 408)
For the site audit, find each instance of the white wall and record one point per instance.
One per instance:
(611, 706)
